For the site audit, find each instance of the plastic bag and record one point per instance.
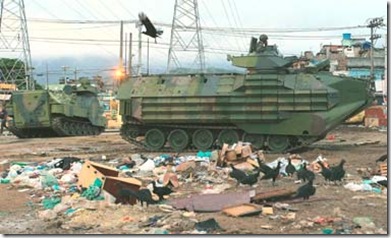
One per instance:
(48, 180)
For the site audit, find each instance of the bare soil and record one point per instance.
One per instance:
(359, 146)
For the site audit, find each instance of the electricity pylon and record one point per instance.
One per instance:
(183, 38)
(15, 45)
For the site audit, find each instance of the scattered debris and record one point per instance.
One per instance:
(210, 202)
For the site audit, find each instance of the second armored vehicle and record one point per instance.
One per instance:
(61, 110)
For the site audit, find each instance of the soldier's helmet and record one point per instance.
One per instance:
(263, 38)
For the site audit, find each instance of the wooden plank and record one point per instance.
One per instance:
(278, 193)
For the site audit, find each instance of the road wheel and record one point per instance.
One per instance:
(228, 136)
(257, 141)
(178, 140)
(202, 139)
(155, 139)
(278, 143)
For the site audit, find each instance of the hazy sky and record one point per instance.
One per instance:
(74, 40)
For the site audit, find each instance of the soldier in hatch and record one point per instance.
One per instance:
(262, 43)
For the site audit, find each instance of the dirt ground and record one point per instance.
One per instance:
(336, 205)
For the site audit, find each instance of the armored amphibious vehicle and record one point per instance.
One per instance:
(61, 110)
(273, 106)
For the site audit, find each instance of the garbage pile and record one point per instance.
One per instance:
(174, 189)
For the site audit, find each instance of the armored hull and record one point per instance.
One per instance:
(274, 108)
(61, 110)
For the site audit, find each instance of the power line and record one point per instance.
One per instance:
(126, 9)
(226, 29)
(45, 9)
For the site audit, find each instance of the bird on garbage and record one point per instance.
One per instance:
(145, 195)
(161, 191)
(382, 158)
(237, 174)
(338, 172)
(290, 169)
(251, 179)
(124, 194)
(269, 173)
(326, 172)
(304, 174)
(306, 190)
(150, 28)
(383, 183)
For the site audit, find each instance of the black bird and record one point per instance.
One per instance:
(270, 173)
(124, 194)
(290, 169)
(150, 28)
(161, 191)
(306, 190)
(337, 172)
(305, 174)
(251, 179)
(237, 174)
(382, 158)
(144, 195)
(326, 172)
(383, 183)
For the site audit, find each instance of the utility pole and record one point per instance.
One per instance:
(140, 28)
(65, 68)
(15, 44)
(75, 72)
(130, 56)
(121, 58)
(374, 23)
(186, 17)
(47, 76)
(126, 55)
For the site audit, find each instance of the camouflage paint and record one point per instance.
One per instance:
(36, 109)
(269, 100)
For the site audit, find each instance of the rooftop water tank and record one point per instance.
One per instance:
(366, 45)
(346, 36)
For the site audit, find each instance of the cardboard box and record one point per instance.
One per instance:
(246, 151)
(91, 171)
(231, 155)
(110, 186)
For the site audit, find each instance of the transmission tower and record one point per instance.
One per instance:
(15, 61)
(183, 38)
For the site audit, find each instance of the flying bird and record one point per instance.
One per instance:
(150, 28)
